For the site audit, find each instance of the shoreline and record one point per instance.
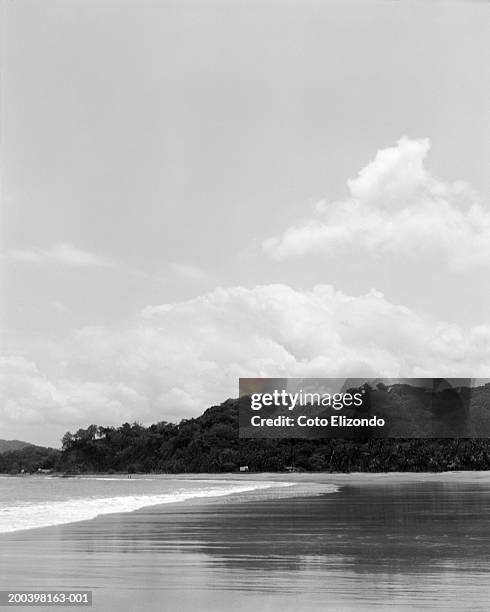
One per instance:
(386, 538)
(231, 474)
(56, 512)
(304, 484)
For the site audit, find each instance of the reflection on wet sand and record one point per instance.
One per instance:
(418, 545)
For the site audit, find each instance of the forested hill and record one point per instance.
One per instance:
(210, 443)
(29, 459)
(12, 445)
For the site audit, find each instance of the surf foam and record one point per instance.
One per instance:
(48, 514)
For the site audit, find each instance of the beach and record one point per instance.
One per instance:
(325, 542)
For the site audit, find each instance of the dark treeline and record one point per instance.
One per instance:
(210, 443)
(29, 459)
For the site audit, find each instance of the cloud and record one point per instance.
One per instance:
(32, 257)
(64, 254)
(32, 397)
(174, 360)
(188, 272)
(395, 206)
(73, 256)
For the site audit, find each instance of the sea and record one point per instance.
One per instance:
(30, 502)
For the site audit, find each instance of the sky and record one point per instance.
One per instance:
(197, 191)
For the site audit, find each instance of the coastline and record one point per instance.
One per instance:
(303, 484)
(233, 475)
(382, 537)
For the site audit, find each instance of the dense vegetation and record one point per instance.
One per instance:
(210, 443)
(29, 459)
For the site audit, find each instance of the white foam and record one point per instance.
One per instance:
(120, 479)
(47, 514)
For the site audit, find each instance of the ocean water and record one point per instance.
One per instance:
(43, 501)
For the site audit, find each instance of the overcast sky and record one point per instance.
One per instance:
(196, 191)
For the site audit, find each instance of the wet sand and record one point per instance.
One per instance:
(393, 541)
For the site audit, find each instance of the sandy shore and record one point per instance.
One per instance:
(381, 541)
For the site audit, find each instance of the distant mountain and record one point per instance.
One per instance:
(12, 445)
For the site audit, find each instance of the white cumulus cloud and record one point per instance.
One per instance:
(395, 206)
(174, 360)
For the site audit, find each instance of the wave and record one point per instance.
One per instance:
(48, 514)
(116, 478)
